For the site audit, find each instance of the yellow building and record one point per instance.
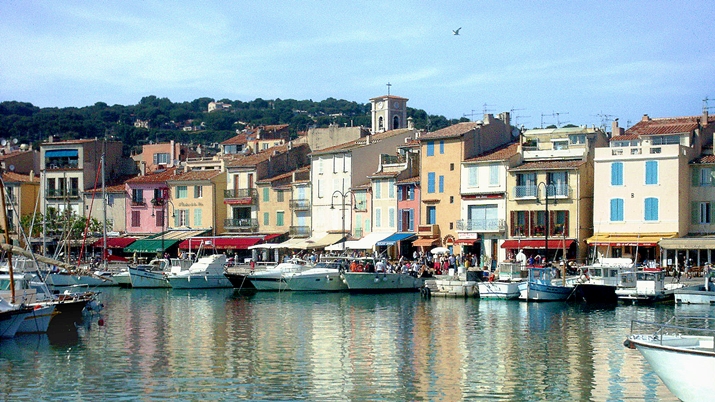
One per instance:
(197, 200)
(22, 191)
(440, 173)
(274, 196)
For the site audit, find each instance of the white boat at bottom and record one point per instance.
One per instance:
(323, 277)
(382, 282)
(685, 363)
(206, 273)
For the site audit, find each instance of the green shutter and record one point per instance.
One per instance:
(694, 213)
(695, 177)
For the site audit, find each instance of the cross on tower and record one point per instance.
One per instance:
(388, 88)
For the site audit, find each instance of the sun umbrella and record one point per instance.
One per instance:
(439, 250)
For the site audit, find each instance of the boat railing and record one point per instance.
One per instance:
(671, 327)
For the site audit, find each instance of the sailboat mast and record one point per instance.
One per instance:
(7, 240)
(104, 207)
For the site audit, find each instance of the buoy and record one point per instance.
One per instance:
(101, 322)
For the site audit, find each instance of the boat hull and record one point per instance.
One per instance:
(539, 292)
(368, 282)
(147, 279)
(199, 282)
(694, 296)
(65, 280)
(38, 320)
(269, 283)
(594, 293)
(675, 365)
(319, 282)
(11, 320)
(498, 290)
(123, 279)
(240, 281)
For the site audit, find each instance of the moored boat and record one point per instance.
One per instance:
(541, 286)
(153, 275)
(598, 283)
(698, 294)
(681, 354)
(11, 317)
(505, 283)
(650, 287)
(272, 278)
(323, 277)
(206, 273)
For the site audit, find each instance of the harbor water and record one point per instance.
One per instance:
(224, 345)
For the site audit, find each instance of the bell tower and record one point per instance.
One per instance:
(389, 112)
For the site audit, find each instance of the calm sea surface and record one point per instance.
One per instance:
(223, 345)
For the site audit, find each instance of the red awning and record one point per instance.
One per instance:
(271, 236)
(425, 241)
(115, 242)
(537, 244)
(220, 243)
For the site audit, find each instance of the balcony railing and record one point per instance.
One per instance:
(482, 225)
(248, 196)
(299, 231)
(63, 193)
(554, 190)
(300, 205)
(138, 202)
(241, 224)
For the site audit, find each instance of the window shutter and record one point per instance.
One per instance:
(512, 223)
(566, 223)
(695, 177)
(551, 225)
(411, 228)
(694, 212)
(399, 220)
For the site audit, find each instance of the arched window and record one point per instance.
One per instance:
(380, 124)
(396, 122)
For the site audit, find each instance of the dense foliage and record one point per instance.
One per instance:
(188, 122)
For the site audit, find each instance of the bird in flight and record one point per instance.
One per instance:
(456, 31)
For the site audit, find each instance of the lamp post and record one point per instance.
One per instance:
(547, 220)
(332, 206)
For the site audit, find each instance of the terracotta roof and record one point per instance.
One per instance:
(498, 154)
(365, 187)
(277, 177)
(455, 130)
(625, 137)
(378, 175)
(11, 154)
(256, 158)
(159, 177)
(237, 140)
(409, 180)
(195, 175)
(12, 177)
(117, 188)
(661, 126)
(704, 159)
(548, 165)
(374, 138)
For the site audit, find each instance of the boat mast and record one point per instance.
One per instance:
(104, 207)
(7, 240)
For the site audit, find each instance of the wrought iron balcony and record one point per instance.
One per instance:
(138, 202)
(554, 190)
(528, 191)
(241, 224)
(243, 196)
(62, 193)
(300, 205)
(299, 231)
(482, 225)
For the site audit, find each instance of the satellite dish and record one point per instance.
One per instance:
(3, 142)
(14, 141)
(11, 168)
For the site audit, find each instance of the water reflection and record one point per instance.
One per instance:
(222, 344)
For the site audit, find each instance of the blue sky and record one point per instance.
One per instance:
(581, 59)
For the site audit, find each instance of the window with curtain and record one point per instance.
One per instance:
(198, 191)
(182, 192)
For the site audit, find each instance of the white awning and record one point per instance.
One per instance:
(369, 241)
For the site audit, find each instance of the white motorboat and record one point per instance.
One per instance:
(650, 287)
(324, 276)
(382, 282)
(682, 354)
(505, 285)
(122, 278)
(541, 286)
(272, 278)
(698, 294)
(598, 283)
(64, 278)
(207, 272)
(153, 275)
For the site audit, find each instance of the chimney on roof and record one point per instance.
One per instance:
(645, 117)
(704, 118)
(615, 130)
(410, 123)
(51, 139)
(32, 174)
(173, 153)
(142, 168)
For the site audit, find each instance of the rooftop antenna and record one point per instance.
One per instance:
(485, 108)
(705, 104)
(470, 115)
(515, 117)
(558, 121)
(605, 119)
(388, 88)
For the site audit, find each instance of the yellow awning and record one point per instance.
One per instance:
(628, 239)
(688, 243)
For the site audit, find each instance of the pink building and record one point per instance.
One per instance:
(144, 194)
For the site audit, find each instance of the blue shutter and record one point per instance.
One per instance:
(441, 184)
(616, 210)
(411, 226)
(651, 172)
(430, 182)
(441, 147)
(617, 173)
(399, 192)
(430, 148)
(651, 209)
(399, 220)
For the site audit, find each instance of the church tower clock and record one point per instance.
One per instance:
(389, 112)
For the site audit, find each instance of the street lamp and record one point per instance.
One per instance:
(332, 206)
(547, 220)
